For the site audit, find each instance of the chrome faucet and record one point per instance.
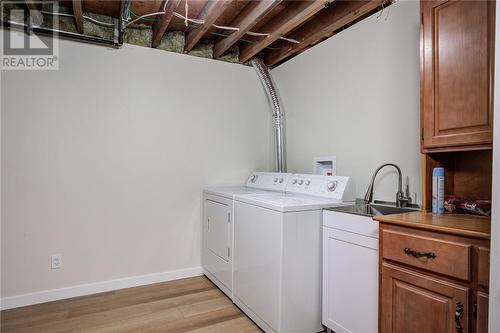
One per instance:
(401, 199)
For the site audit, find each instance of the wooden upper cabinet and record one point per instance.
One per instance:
(457, 53)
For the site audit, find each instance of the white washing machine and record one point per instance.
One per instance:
(218, 221)
(277, 252)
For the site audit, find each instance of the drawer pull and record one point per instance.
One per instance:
(459, 311)
(417, 254)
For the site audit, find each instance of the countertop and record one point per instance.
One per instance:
(458, 224)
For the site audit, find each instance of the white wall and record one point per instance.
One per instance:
(494, 319)
(356, 96)
(104, 161)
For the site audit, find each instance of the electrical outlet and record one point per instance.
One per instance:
(56, 261)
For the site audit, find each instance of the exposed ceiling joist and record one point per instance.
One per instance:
(246, 19)
(33, 5)
(291, 17)
(78, 12)
(161, 25)
(300, 23)
(35, 16)
(339, 14)
(212, 10)
(123, 17)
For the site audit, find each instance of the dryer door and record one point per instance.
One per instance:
(218, 228)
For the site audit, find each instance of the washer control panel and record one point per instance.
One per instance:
(274, 181)
(333, 187)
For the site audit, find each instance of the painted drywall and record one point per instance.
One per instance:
(494, 309)
(356, 96)
(104, 160)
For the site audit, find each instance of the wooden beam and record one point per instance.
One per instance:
(33, 5)
(35, 14)
(122, 21)
(291, 17)
(246, 19)
(212, 10)
(336, 16)
(78, 12)
(161, 25)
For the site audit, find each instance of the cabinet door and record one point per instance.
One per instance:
(457, 73)
(412, 302)
(482, 313)
(342, 311)
(483, 267)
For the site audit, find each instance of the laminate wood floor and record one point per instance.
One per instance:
(192, 305)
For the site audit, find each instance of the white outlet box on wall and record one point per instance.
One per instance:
(325, 166)
(56, 261)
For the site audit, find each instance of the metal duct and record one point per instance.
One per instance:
(278, 114)
(60, 34)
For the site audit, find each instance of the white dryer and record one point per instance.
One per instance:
(218, 221)
(277, 252)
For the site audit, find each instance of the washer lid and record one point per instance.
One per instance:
(289, 202)
(231, 191)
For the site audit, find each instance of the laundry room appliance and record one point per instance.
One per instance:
(350, 272)
(218, 221)
(277, 252)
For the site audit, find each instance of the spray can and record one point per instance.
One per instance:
(438, 191)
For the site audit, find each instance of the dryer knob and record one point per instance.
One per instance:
(308, 183)
(294, 181)
(281, 180)
(331, 186)
(301, 182)
(253, 179)
(275, 180)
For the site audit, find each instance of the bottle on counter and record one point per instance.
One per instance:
(438, 191)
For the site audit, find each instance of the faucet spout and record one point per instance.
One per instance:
(400, 198)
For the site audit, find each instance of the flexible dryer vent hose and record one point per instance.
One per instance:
(277, 112)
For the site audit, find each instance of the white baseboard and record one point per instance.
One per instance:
(96, 287)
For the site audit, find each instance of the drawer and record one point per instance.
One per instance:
(483, 267)
(444, 257)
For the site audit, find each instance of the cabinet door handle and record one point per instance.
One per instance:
(459, 311)
(418, 254)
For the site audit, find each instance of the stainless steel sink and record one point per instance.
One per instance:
(372, 210)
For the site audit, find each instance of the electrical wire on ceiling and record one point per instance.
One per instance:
(84, 16)
(147, 27)
(188, 20)
(383, 9)
(245, 41)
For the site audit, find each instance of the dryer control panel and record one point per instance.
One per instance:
(273, 181)
(332, 187)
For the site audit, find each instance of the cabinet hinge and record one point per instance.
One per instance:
(422, 133)
(228, 253)
(474, 310)
(422, 18)
(228, 217)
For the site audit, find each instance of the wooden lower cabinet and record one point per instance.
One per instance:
(432, 281)
(481, 310)
(483, 267)
(412, 302)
